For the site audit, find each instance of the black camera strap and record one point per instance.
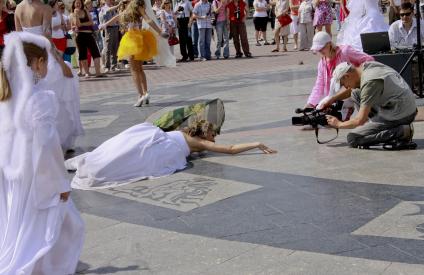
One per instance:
(316, 128)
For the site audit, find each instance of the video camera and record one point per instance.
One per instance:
(316, 117)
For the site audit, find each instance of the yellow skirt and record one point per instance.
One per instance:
(140, 44)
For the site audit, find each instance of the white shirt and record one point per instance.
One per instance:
(260, 4)
(305, 12)
(187, 9)
(400, 38)
(57, 21)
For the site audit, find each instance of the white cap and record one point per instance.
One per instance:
(320, 40)
(340, 71)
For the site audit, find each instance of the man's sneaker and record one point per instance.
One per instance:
(408, 132)
(400, 145)
(405, 142)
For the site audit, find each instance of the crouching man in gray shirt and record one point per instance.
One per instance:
(385, 104)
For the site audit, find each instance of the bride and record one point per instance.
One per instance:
(145, 151)
(364, 17)
(34, 16)
(41, 231)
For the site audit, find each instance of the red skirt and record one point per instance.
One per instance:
(60, 43)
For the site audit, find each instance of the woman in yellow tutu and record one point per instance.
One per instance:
(137, 45)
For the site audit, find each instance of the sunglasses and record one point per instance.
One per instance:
(405, 14)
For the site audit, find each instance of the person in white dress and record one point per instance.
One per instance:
(36, 17)
(145, 151)
(40, 229)
(364, 17)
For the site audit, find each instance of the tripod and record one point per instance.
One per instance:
(417, 51)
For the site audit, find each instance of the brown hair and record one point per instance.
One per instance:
(199, 128)
(131, 13)
(162, 6)
(31, 52)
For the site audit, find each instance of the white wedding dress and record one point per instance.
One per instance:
(364, 17)
(39, 233)
(67, 91)
(140, 152)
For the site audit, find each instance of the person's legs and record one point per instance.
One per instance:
(219, 29)
(135, 68)
(309, 34)
(244, 41)
(236, 38)
(94, 50)
(225, 34)
(208, 37)
(202, 41)
(377, 132)
(277, 31)
(294, 29)
(114, 47)
(109, 47)
(257, 38)
(195, 38)
(328, 29)
(302, 37)
(337, 11)
(97, 66)
(319, 28)
(183, 35)
(84, 65)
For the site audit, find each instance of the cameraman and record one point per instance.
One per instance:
(386, 105)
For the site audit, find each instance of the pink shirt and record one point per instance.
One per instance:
(222, 16)
(344, 53)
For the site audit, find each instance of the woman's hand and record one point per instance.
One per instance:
(266, 149)
(65, 196)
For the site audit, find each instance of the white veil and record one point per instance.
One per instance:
(364, 17)
(21, 82)
(165, 57)
(15, 65)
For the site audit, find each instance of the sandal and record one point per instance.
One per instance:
(275, 50)
(100, 75)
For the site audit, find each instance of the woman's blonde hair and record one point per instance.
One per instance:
(200, 128)
(132, 13)
(31, 52)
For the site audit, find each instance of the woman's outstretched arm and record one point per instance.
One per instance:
(197, 145)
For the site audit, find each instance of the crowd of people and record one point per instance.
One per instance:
(39, 99)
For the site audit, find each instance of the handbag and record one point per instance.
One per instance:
(284, 20)
(70, 45)
(214, 19)
(173, 40)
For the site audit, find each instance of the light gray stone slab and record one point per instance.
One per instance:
(182, 191)
(127, 101)
(404, 269)
(97, 121)
(401, 221)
